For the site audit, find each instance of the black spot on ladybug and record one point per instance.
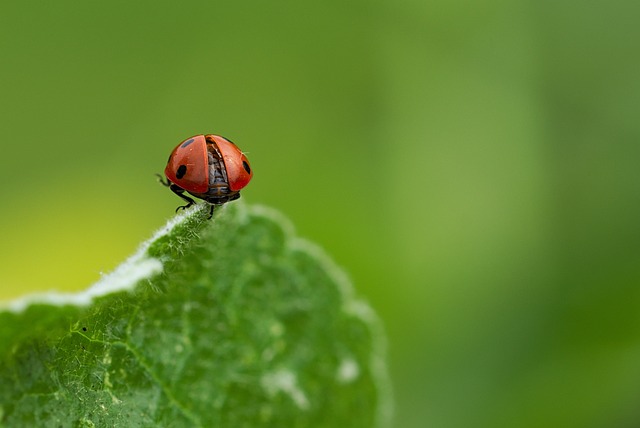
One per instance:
(182, 170)
(246, 167)
(186, 143)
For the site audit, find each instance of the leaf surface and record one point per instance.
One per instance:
(230, 322)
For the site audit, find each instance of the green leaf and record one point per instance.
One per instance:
(230, 322)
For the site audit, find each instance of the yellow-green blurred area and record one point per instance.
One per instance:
(474, 165)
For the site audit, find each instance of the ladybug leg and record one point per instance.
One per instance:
(164, 183)
(211, 212)
(180, 192)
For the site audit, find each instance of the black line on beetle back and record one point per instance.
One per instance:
(246, 167)
(186, 143)
(229, 141)
(182, 170)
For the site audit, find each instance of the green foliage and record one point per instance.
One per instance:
(231, 322)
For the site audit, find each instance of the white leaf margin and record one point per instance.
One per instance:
(137, 267)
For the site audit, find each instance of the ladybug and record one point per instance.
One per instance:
(208, 167)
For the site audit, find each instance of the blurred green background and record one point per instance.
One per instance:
(472, 164)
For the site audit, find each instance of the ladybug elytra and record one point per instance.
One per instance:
(208, 167)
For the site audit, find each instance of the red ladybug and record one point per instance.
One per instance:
(209, 167)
